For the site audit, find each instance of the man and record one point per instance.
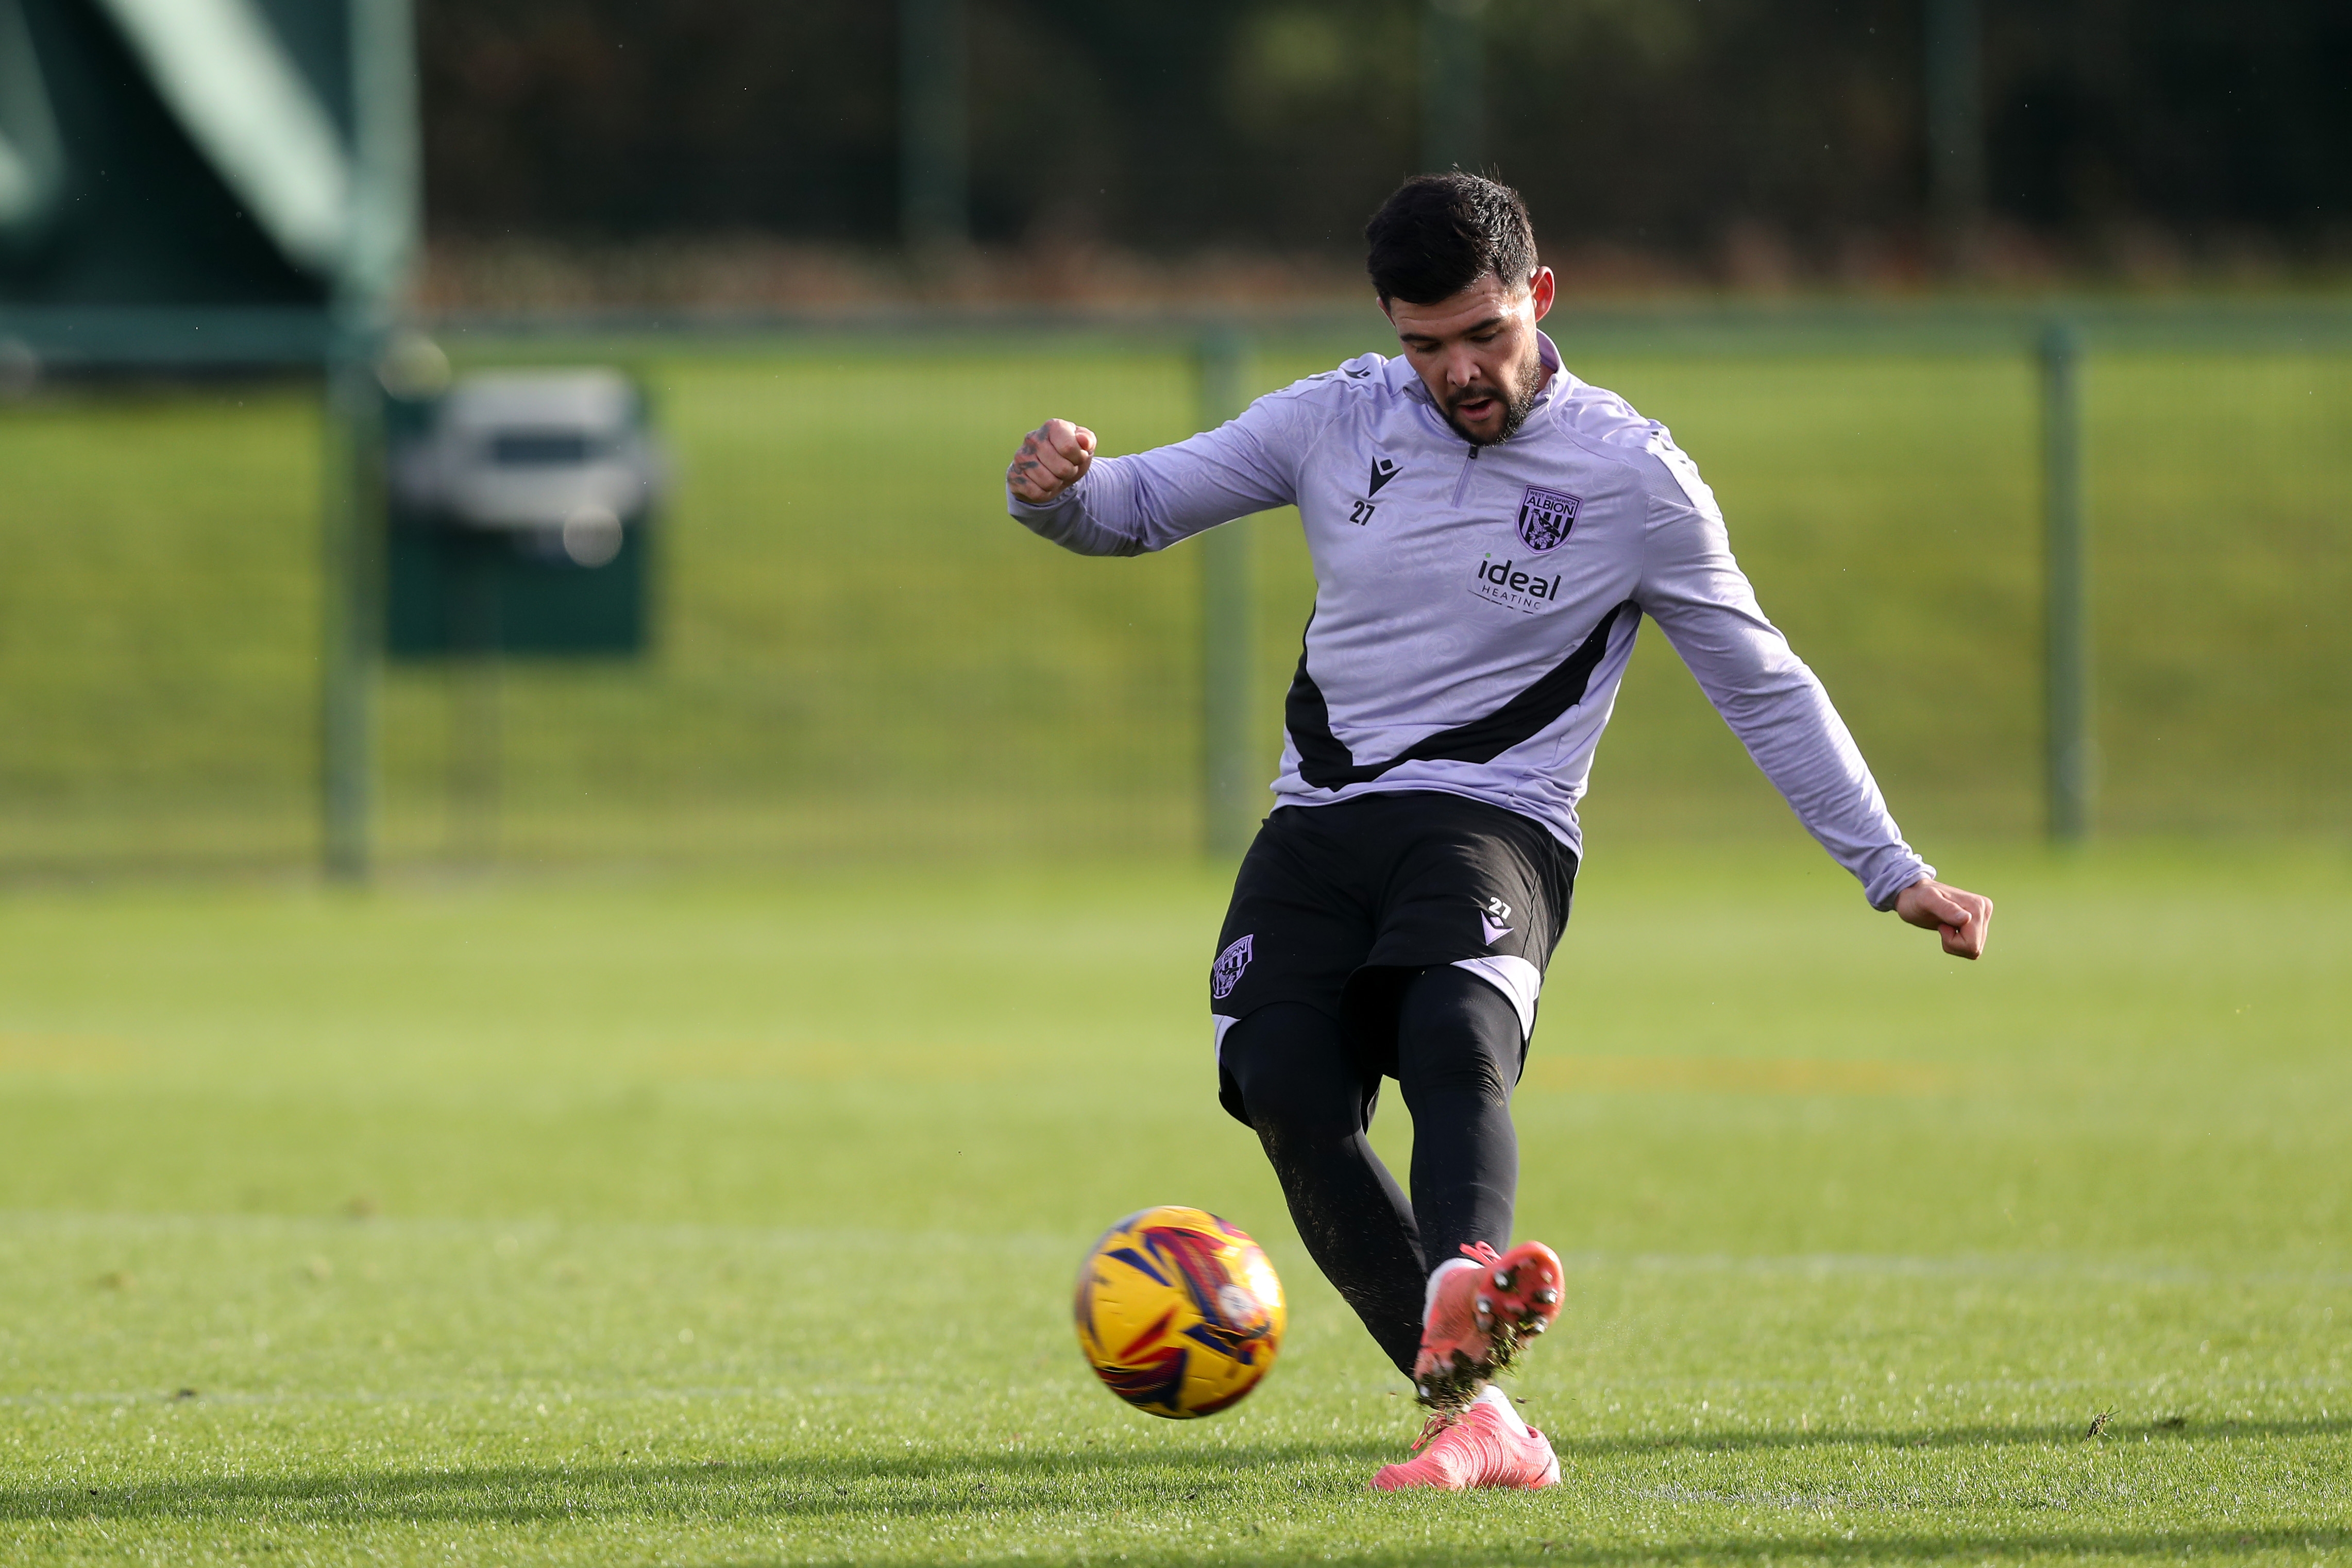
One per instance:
(1488, 532)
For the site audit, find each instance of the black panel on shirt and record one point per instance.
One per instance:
(1325, 761)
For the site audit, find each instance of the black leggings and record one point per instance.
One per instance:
(1310, 1097)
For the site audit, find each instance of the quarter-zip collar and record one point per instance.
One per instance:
(1469, 465)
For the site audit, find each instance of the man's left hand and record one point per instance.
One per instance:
(1963, 917)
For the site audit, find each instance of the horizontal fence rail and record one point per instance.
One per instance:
(64, 339)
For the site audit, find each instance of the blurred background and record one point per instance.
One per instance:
(542, 460)
(727, 150)
(2015, 339)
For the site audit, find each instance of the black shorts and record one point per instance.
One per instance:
(1337, 906)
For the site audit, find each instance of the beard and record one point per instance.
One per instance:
(1517, 403)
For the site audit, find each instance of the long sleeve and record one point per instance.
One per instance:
(1124, 505)
(1695, 591)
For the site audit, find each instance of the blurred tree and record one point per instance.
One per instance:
(1747, 136)
(2209, 118)
(606, 116)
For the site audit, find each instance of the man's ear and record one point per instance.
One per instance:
(1545, 288)
(1384, 308)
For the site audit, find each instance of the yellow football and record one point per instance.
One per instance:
(1179, 1312)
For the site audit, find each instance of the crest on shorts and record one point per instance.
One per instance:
(1227, 974)
(1545, 517)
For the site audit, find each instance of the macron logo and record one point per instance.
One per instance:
(1383, 470)
(1494, 920)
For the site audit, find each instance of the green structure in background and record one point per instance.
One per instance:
(2069, 759)
(192, 185)
(1233, 795)
(934, 135)
(522, 506)
(1952, 84)
(478, 594)
(1453, 85)
(521, 521)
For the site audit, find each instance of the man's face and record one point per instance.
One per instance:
(1477, 353)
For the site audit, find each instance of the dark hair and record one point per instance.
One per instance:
(1438, 234)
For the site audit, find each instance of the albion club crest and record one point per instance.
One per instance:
(1230, 965)
(1545, 517)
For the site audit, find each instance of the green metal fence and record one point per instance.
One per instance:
(860, 657)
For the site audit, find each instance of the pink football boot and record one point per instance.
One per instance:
(1481, 1447)
(1481, 1309)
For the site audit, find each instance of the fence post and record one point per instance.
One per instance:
(1954, 35)
(1453, 85)
(1229, 784)
(2066, 647)
(385, 200)
(348, 609)
(933, 106)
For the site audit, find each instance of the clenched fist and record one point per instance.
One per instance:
(1964, 918)
(1052, 458)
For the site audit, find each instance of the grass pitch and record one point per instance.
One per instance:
(724, 1221)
